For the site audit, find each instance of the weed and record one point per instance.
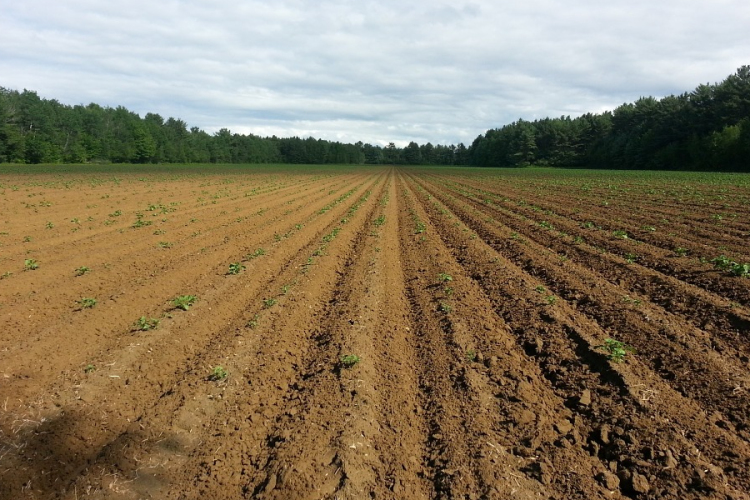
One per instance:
(616, 350)
(30, 264)
(741, 270)
(86, 302)
(445, 277)
(218, 374)
(80, 271)
(722, 262)
(144, 324)
(236, 268)
(184, 302)
(349, 360)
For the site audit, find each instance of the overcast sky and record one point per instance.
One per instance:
(375, 71)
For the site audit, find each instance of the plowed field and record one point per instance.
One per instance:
(373, 333)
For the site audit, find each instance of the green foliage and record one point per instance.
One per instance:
(235, 268)
(620, 234)
(144, 324)
(30, 264)
(80, 271)
(681, 251)
(87, 302)
(471, 355)
(349, 360)
(89, 368)
(616, 350)
(184, 302)
(445, 277)
(379, 221)
(269, 303)
(218, 373)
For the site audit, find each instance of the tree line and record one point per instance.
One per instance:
(706, 129)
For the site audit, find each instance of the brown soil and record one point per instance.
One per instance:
(477, 322)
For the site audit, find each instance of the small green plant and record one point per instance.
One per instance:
(86, 302)
(379, 221)
(184, 302)
(30, 264)
(420, 227)
(49, 225)
(546, 225)
(588, 225)
(630, 258)
(550, 299)
(577, 240)
(722, 262)
(741, 270)
(89, 368)
(116, 213)
(165, 244)
(255, 254)
(236, 268)
(445, 307)
(80, 271)
(471, 355)
(6, 275)
(269, 302)
(540, 289)
(649, 229)
(349, 360)
(448, 291)
(445, 278)
(145, 324)
(616, 350)
(218, 374)
(620, 234)
(253, 323)
(681, 252)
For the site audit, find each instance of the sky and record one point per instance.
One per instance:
(372, 71)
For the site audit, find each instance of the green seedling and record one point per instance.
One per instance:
(619, 233)
(471, 355)
(616, 350)
(448, 291)
(87, 302)
(444, 307)
(741, 270)
(165, 244)
(50, 225)
(6, 275)
(379, 221)
(145, 324)
(269, 302)
(445, 278)
(551, 299)
(540, 289)
(349, 360)
(184, 302)
(546, 225)
(89, 369)
(30, 264)
(235, 268)
(218, 374)
(681, 252)
(80, 271)
(631, 257)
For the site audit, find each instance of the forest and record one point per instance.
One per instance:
(705, 129)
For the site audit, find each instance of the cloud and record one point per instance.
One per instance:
(381, 71)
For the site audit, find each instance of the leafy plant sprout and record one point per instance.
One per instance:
(269, 302)
(80, 271)
(445, 278)
(471, 355)
(184, 302)
(30, 264)
(145, 324)
(87, 302)
(616, 350)
(349, 360)
(235, 268)
(218, 373)
(89, 368)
